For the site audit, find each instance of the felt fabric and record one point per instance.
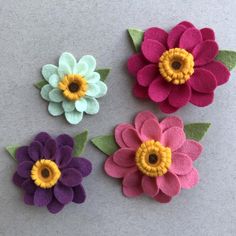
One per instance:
(196, 131)
(136, 36)
(59, 150)
(11, 149)
(207, 75)
(80, 143)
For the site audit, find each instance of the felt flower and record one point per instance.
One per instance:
(73, 87)
(178, 67)
(48, 173)
(154, 158)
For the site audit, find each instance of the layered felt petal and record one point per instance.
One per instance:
(201, 99)
(54, 80)
(17, 179)
(147, 74)
(189, 180)
(68, 106)
(93, 90)
(64, 140)
(54, 206)
(132, 191)
(140, 91)
(92, 106)
(186, 24)
(79, 194)
(24, 169)
(151, 130)
(82, 165)
(90, 61)
(42, 137)
(135, 63)
(94, 77)
(81, 68)
(49, 149)
(171, 121)
(71, 177)
(64, 156)
(35, 150)
(124, 157)
(131, 138)
(81, 105)
(22, 154)
(74, 117)
(55, 95)
(48, 70)
(174, 36)
(157, 34)
(162, 198)
(46, 89)
(166, 107)
(28, 199)
(68, 60)
(63, 194)
(42, 197)
(29, 186)
(207, 34)
(149, 186)
(102, 89)
(118, 134)
(55, 109)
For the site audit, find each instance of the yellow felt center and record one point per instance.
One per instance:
(152, 158)
(74, 86)
(45, 173)
(176, 65)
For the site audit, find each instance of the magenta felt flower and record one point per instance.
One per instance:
(154, 158)
(178, 67)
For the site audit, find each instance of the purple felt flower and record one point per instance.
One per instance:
(49, 174)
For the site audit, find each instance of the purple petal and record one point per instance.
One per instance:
(22, 154)
(54, 206)
(83, 165)
(71, 177)
(42, 137)
(24, 169)
(42, 197)
(65, 140)
(50, 149)
(63, 193)
(79, 194)
(29, 186)
(35, 150)
(64, 156)
(17, 180)
(29, 199)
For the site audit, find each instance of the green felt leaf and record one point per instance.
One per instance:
(136, 36)
(103, 73)
(40, 84)
(196, 131)
(228, 58)
(80, 143)
(11, 149)
(106, 144)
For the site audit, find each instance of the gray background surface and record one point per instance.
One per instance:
(34, 33)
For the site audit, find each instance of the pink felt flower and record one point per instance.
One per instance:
(154, 158)
(175, 68)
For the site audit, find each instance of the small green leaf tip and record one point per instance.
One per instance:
(136, 36)
(11, 149)
(40, 84)
(228, 58)
(103, 73)
(80, 143)
(106, 144)
(196, 131)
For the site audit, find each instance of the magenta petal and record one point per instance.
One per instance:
(118, 134)
(64, 156)
(42, 137)
(54, 206)
(169, 184)
(201, 99)
(192, 148)
(147, 74)
(35, 150)
(132, 191)
(203, 81)
(207, 34)
(219, 70)
(171, 121)
(162, 198)
(151, 130)
(156, 34)
(152, 50)
(131, 138)
(174, 36)
(42, 197)
(22, 154)
(29, 186)
(63, 194)
(186, 24)
(29, 199)
(159, 90)
(149, 186)
(79, 194)
(205, 52)
(124, 157)
(140, 91)
(24, 169)
(133, 179)
(71, 177)
(65, 140)
(135, 63)
(166, 107)
(190, 180)
(180, 95)
(17, 179)
(50, 149)
(83, 165)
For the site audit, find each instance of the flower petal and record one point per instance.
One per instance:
(64, 70)
(63, 194)
(149, 186)
(64, 156)
(68, 106)
(203, 81)
(132, 191)
(94, 77)
(124, 157)
(166, 107)
(152, 50)
(46, 89)
(81, 68)
(22, 154)
(56, 95)
(81, 105)
(135, 63)
(174, 36)
(93, 90)
(54, 206)
(42, 137)
(169, 184)
(147, 74)
(35, 150)
(140, 91)
(29, 199)
(42, 197)
(71, 177)
(92, 106)
(83, 165)
(157, 34)
(90, 61)
(49, 150)
(55, 109)
(65, 140)
(48, 70)
(131, 138)
(133, 179)
(171, 121)
(102, 89)
(118, 134)
(54, 80)
(205, 52)
(190, 180)
(151, 130)
(201, 99)
(74, 117)
(29, 186)
(173, 138)
(186, 24)
(67, 59)
(17, 179)
(162, 198)
(159, 90)
(207, 34)
(79, 194)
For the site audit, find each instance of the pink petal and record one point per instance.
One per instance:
(156, 34)
(174, 36)
(205, 52)
(151, 130)
(135, 63)
(152, 50)
(190, 180)
(149, 186)
(180, 95)
(124, 157)
(131, 138)
(162, 198)
(140, 91)
(173, 138)
(132, 191)
(201, 99)
(147, 74)
(166, 107)
(203, 81)
(186, 24)
(133, 179)
(141, 117)
(219, 70)
(118, 133)
(181, 164)
(190, 38)
(207, 34)
(171, 121)
(159, 90)
(115, 171)
(169, 184)
(192, 148)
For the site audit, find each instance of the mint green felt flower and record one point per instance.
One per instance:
(73, 87)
